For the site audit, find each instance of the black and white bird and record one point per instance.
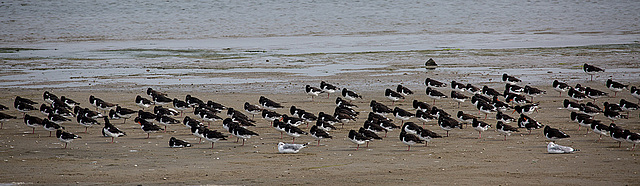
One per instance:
(477, 98)
(243, 133)
(525, 109)
(312, 91)
(166, 121)
(180, 105)
(146, 115)
(576, 95)
(561, 87)
(425, 116)
(161, 99)
(269, 104)
(586, 122)
(516, 99)
(465, 118)
(403, 90)
(350, 95)
(510, 79)
(439, 112)
(615, 86)
(504, 117)
(287, 148)
(600, 129)
(448, 124)
(514, 89)
(553, 148)
(344, 103)
(591, 70)
(379, 108)
(58, 119)
(198, 131)
(292, 120)
(51, 126)
(86, 122)
(489, 92)
(148, 127)
(2, 107)
(177, 143)
(480, 126)
(252, 109)
(143, 102)
(326, 126)
(579, 88)
(458, 86)
(66, 137)
(613, 115)
(207, 115)
(589, 110)
(69, 102)
(533, 92)
(554, 134)
(594, 93)
(635, 92)
(45, 109)
(111, 131)
(505, 129)
(632, 137)
(628, 106)
(124, 113)
(5, 117)
(419, 105)
(501, 106)
(369, 134)
(409, 139)
(427, 135)
(402, 114)
(49, 97)
(411, 128)
(570, 105)
(611, 106)
(393, 95)
(270, 116)
(152, 93)
(328, 118)
(213, 136)
(319, 134)
(216, 106)
(617, 134)
(357, 138)
(159, 110)
(434, 83)
(193, 102)
(33, 122)
(472, 89)
(486, 108)
(458, 97)
(528, 123)
(434, 94)
(23, 107)
(328, 88)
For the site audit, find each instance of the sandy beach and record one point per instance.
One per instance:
(460, 159)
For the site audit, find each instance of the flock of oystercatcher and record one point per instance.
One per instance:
(60, 110)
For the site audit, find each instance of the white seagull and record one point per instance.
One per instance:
(290, 148)
(553, 148)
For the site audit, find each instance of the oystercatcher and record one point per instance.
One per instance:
(554, 134)
(591, 70)
(49, 97)
(193, 101)
(69, 102)
(504, 117)
(458, 86)
(312, 91)
(613, 115)
(86, 122)
(402, 114)
(434, 94)
(570, 105)
(589, 110)
(617, 134)
(632, 137)
(279, 126)
(424, 116)
(148, 127)
(594, 94)
(146, 115)
(612, 107)
(180, 105)
(350, 95)
(143, 102)
(326, 126)
(161, 99)
(111, 131)
(166, 120)
(271, 116)
(510, 79)
(393, 95)
(458, 97)
(465, 118)
(252, 109)
(427, 135)
(5, 117)
(438, 112)
(635, 92)
(615, 86)
(502, 106)
(344, 103)
(357, 138)
(369, 134)
(472, 89)
(601, 129)
(291, 120)
(403, 90)
(243, 133)
(561, 86)
(505, 129)
(328, 88)
(514, 89)
(379, 108)
(33, 122)
(448, 124)
(409, 139)
(489, 92)
(628, 106)
(576, 95)
(319, 134)
(533, 92)
(66, 137)
(23, 107)
(434, 83)
(207, 115)
(176, 143)
(419, 105)
(51, 126)
(528, 123)
(269, 104)
(526, 109)
(214, 136)
(480, 126)
(485, 108)
(216, 106)
(159, 110)
(190, 122)
(152, 93)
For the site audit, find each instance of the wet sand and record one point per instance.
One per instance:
(459, 159)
